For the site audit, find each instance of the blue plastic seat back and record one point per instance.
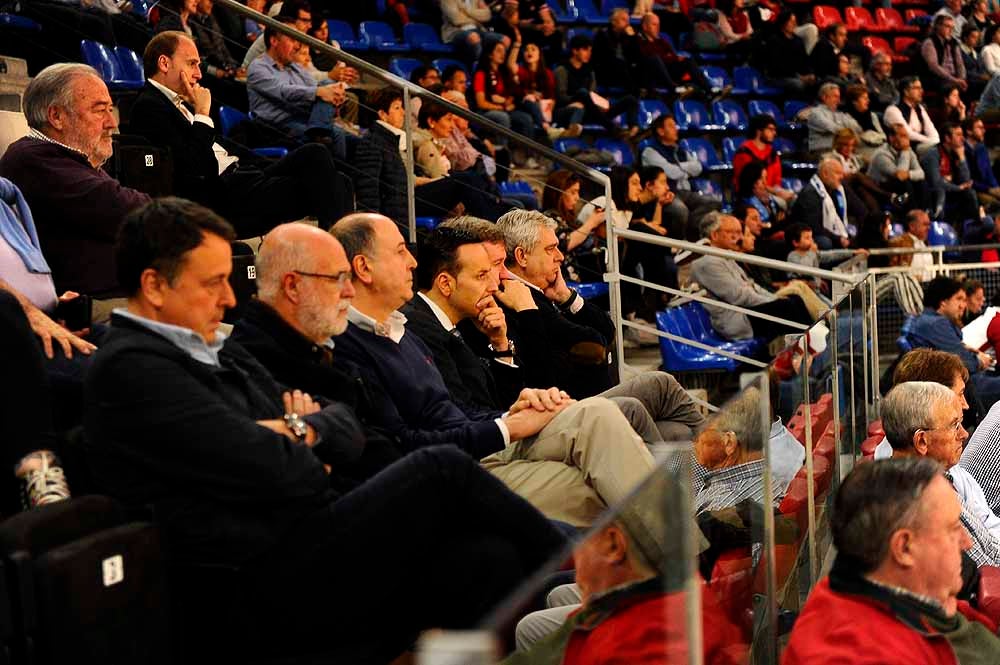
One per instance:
(403, 67)
(101, 58)
(702, 148)
(229, 118)
(130, 66)
(419, 35)
(377, 34)
(586, 11)
(792, 184)
(589, 289)
(19, 22)
(765, 107)
(784, 146)
(343, 34)
(620, 149)
(942, 233)
(746, 78)
(649, 110)
(792, 109)
(717, 76)
(729, 147)
(568, 15)
(566, 145)
(691, 115)
(707, 187)
(730, 115)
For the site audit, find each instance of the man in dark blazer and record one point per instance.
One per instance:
(172, 111)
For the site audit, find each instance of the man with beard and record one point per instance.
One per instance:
(759, 148)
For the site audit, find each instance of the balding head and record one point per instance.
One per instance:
(304, 275)
(831, 172)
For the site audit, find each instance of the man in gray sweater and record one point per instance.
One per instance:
(895, 167)
(825, 120)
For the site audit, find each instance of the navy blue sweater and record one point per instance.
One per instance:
(420, 411)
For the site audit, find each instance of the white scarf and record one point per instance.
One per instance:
(398, 132)
(832, 221)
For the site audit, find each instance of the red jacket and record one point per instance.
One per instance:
(849, 629)
(651, 631)
(748, 152)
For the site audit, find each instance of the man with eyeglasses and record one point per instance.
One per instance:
(297, 11)
(923, 418)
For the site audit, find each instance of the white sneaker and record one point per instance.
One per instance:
(45, 484)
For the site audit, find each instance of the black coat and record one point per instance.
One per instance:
(471, 378)
(380, 178)
(167, 431)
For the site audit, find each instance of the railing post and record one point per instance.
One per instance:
(411, 203)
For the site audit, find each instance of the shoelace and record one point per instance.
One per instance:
(46, 485)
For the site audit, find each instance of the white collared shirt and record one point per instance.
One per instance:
(923, 262)
(35, 134)
(224, 159)
(394, 327)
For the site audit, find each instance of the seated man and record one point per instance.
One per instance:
(380, 179)
(726, 280)
(283, 94)
(949, 182)
(688, 207)
(233, 469)
(305, 183)
(663, 67)
(911, 113)
(918, 226)
(909, 411)
(578, 334)
(942, 55)
(568, 458)
(825, 120)
(824, 205)
(577, 100)
(977, 155)
(892, 592)
(895, 168)
(483, 366)
(628, 603)
(616, 53)
(77, 206)
(297, 11)
(937, 327)
(759, 147)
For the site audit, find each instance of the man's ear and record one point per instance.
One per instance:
(444, 283)
(901, 548)
(163, 64)
(730, 443)
(362, 269)
(152, 285)
(920, 442)
(521, 256)
(57, 117)
(617, 545)
(290, 287)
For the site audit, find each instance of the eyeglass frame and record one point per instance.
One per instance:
(340, 278)
(954, 428)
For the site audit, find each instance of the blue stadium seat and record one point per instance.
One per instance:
(562, 17)
(103, 59)
(442, 64)
(620, 149)
(706, 154)
(403, 67)
(730, 115)
(141, 8)
(692, 116)
(766, 107)
(589, 289)
(701, 325)
(787, 150)
(18, 22)
(573, 32)
(130, 65)
(792, 109)
(680, 357)
(520, 191)
(747, 80)
(707, 187)
(729, 147)
(586, 12)
(942, 233)
(229, 118)
(792, 184)
(423, 37)
(343, 34)
(717, 76)
(563, 145)
(670, 40)
(428, 223)
(649, 110)
(379, 36)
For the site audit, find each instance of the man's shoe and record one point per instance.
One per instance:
(574, 130)
(44, 485)
(555, 132)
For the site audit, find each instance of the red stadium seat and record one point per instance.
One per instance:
(911, 14)
(989, 592)
(880, 45)
(869, 445)
(825, 16)
(859, 19)
(891, 20)
(875, 427)
(900, 44)
(732, 582)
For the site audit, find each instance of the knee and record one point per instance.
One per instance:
(473, 39)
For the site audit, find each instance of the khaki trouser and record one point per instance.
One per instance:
(814, 304)
(587, 458)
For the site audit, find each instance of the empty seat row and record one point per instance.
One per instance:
(886, 19)
(379, 36)
(120, 67)
(691, 321)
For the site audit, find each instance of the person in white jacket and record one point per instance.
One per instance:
(463, 23)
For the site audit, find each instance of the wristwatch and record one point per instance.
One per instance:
(509, 353)
(298, 426)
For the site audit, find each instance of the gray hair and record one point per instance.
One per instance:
(825, 88)
(875, 501)
(827, 163)
(276, 258)
(521, 228)
(880, 56)
(53, 86)
(742, 416)
(481, 229)
(616, 11)
(710, 223)
(907, 408)
(356, 232)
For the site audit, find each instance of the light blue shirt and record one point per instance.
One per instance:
(279, 95)
(184, 339)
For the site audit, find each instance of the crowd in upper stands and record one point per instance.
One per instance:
(410, 431)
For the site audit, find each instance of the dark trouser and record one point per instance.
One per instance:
(790, 307)
(628, 105)
(304, 183)
(657, 267)
(436, 198)
(432, 541)
(670, 75)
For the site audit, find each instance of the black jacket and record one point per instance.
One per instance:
(471, 378)
(296, 361)
(825, 60)
(380, 178)
(167, 431)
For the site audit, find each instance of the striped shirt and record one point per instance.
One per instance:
(981, 457)
(729, 486)
(985, 550)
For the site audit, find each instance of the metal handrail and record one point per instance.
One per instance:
(735, 256)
